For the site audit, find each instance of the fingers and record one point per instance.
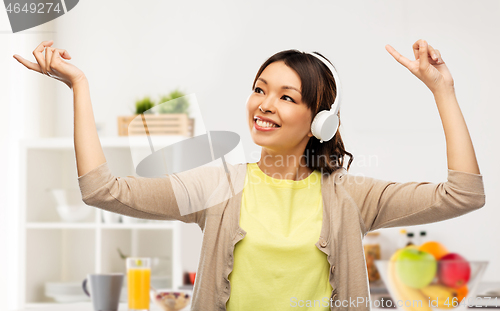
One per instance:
(52, 55)
(64, 54)
(28, 64)
(48, 58)
(39, 56)
(400, 58)
(416, 48)
(433, 53)
(45, 62)
(423, 50)
(56, 54)
(438, 58)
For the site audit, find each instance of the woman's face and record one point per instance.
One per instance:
(277, 92)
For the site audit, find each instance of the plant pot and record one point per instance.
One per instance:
(156, 124)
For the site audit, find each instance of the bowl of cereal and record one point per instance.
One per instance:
(171, 300)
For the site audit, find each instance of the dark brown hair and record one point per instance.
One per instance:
(318, 93)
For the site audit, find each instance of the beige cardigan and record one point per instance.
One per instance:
(353, 206)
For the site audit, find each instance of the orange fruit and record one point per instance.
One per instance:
(462, 292)
(435, 248)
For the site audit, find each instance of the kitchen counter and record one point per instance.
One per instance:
(87, 306)
(81, 306)
(480, 303)
(487, 296)
(377, 291)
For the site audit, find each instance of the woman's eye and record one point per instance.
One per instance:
(257, 89)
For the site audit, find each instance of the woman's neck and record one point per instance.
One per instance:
(284, 165)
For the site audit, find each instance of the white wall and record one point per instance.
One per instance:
(27, 102)
(214, 49)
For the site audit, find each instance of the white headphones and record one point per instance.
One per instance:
(326, 122)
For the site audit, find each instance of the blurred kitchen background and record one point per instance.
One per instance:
(129, 50)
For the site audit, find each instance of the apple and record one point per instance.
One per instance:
(415, 268)
(453, 270)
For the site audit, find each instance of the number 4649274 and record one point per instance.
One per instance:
(16, 8)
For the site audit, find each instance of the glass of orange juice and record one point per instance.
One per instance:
(138, 281)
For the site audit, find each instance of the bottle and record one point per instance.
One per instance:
(371, 248)
(411, 239)
(423, 237)
(402, 239)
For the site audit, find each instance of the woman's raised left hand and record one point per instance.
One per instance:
(428, 66)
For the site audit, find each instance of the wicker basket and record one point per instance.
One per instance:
(156, 124)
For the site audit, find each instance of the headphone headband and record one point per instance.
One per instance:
(326, 122)
(336, 103)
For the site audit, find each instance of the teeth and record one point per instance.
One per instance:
(265, 124)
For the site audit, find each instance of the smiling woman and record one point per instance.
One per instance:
(290, 88)
(282, 205)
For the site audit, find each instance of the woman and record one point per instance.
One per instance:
(292, 237)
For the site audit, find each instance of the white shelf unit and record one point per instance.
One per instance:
(56, 251)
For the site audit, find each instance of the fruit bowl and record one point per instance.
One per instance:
(171, 300)
(431, 285)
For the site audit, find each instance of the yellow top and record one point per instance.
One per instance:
(277, 264)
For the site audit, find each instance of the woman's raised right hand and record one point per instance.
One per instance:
(52, 64)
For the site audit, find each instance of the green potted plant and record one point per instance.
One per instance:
(169, 117)
(174, 106)
(143, 105)
(167, 104)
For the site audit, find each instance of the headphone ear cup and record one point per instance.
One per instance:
(325, 125)
(329, 127)
(316, 126)
(333, 122)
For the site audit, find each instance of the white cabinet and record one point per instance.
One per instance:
(54, 250)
